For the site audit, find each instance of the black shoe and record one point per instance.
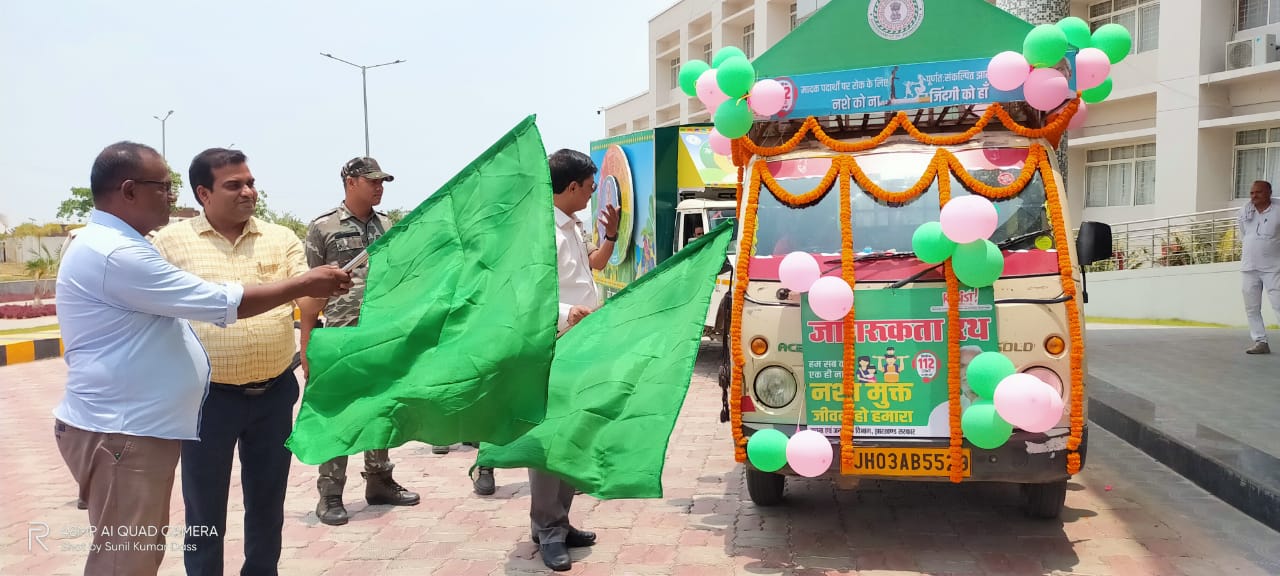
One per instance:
(81, 504)
(556, 556)
(475, 445)
(576, 538)
(380, 488)
(331, 511)
(484, 483)
(440, 449)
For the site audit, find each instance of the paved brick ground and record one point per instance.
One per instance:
(1127, 515)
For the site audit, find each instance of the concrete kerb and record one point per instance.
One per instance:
(1238, 474)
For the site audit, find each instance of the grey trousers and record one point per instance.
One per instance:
(550, 500)
(333, 474)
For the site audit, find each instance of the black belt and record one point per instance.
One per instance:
(255, 388)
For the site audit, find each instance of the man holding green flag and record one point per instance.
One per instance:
(610, 411)
(458, 323)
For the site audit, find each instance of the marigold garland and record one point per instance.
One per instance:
(953, 348)
(1052, 132)
(848, 273)
(941, 167)
(739, 295)
(1073, 318)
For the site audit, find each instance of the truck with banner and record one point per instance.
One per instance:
(670, 187)
(907, 303)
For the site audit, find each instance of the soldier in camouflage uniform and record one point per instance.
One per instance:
(336, 237)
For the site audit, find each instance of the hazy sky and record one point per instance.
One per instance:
(76, 75)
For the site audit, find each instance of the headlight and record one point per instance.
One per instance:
(775, 387)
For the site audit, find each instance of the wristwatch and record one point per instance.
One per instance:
(611, 238)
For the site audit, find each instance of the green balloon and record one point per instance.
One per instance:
(983, 427)
(930, 244)
(1077, 32)
(767, 450)
(733, 118)
(726, 53)
(1044, 46)
(1114, 40)
(978, 263)
(985, 372)
(1098, 93)
(689, 74)
(735, 77)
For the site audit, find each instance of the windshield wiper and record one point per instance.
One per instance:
(1010, 242)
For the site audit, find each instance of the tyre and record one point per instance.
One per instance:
(1045, 500)
(765, 488)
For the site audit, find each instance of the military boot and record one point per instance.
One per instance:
(331, 511)
(380, 488)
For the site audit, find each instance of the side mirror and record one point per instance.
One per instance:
(728, 267)
(1093, 244)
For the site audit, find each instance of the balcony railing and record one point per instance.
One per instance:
(1199, 238)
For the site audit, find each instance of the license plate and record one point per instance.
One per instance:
(907, 461)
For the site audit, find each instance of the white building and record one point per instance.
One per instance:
(1193, 120)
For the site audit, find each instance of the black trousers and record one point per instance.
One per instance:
(260, 423)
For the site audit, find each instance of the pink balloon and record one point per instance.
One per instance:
(720, 144)
(1051, 415)
(831, 298)
(709, 91)
(1045, 89)
(1024, 401)
(1092, 68)
(798, 271)
(1079, 119)
(809, 453)
(968, 218)
(1008, 70)
(767, 97)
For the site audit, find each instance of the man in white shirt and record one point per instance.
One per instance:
(573, 181)
(1260, 260)
(137, 376)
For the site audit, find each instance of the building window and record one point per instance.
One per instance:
(1141, 17)
(1256, 13)
(706, 53)
(749, 40)
(1257, 157)
(794, 17)
(675, 73)
(1121, 176)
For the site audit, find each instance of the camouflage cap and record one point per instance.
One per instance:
(366, 167)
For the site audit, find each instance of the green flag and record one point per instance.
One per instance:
(619, 379)
(458, 324)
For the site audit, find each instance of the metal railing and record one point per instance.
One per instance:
(1199, 238)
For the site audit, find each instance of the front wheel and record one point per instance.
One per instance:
(765, 488)
(1045, 500)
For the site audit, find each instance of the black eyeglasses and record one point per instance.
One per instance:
(167, 185)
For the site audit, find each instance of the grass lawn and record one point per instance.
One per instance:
(1160, 322)
(14, 331)
(13, 271)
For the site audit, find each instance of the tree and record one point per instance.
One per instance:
(286, 219)
(80, 204)
(41, 268)
(396, 215)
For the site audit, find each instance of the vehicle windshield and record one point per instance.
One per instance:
(718, 215)
(880, 227)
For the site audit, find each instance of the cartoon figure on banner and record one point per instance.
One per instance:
(866, 373)
(891, 365)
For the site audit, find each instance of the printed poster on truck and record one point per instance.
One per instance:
(626, 180)
(900, 351)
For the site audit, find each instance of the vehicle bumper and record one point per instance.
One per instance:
(1030, 458)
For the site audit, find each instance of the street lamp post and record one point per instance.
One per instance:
(365, 89)
(163, 136)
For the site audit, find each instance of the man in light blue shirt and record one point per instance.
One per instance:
(137, 375)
